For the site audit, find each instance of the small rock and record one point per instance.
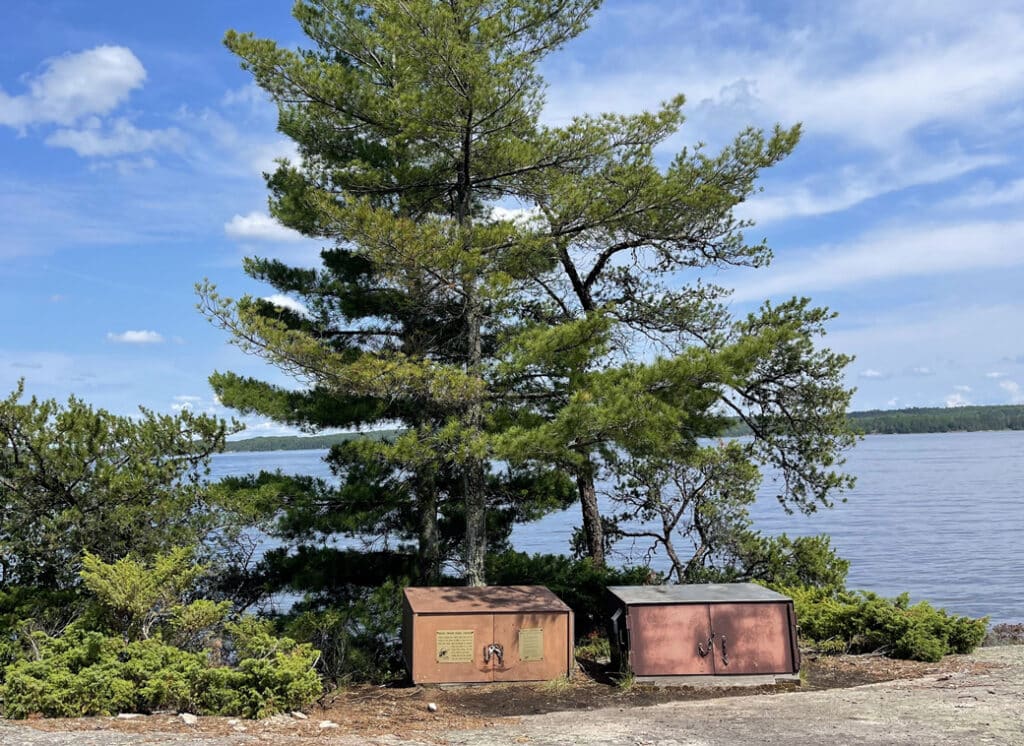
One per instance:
(278, 719)
(431, 707)
(300, 715)
(188, 718)
(240, 729)
(233, 721)
(325, 724)
(129, 715)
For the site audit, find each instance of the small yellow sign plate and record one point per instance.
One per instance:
(531, 644)
(454, 646)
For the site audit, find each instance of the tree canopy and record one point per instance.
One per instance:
(74, 479)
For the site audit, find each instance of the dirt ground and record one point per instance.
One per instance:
(868, 699)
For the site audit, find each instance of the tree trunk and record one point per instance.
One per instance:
(473, 475)
(430, 543)
(473, 480)
(593, 530)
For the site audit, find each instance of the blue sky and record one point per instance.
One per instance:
(131, 147)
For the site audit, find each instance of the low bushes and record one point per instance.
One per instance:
(862, 622)
(143, 642)
(86, 672)
(359, 640)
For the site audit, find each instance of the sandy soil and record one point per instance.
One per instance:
(974, 699)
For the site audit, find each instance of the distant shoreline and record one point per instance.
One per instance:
(917, 420)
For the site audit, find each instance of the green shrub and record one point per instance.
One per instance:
(90, 673)
(862, 622)
(360, 641)
(593, 647)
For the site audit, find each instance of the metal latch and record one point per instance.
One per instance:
(711, 645)
(497, 651)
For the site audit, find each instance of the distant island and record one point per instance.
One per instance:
(930, 420)
(871, 422)
(300, 442)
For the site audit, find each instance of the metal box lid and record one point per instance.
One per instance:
(697, 593)
(488, 599)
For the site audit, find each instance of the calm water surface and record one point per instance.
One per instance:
(939, 515)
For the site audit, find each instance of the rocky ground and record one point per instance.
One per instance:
(972, 699)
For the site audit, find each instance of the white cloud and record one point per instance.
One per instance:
(286, 302)
(913, 251)
(73, 86)
(995, 374)
(119, 137)
(904, 88)
(921, 370)
(265, 428)
(871, 373)
(132, 336)
(841, 189)
(244, 145)
(258, 226)
(963, 388)
(864, 73)
(988, 194)
(956, 400)
(249, 96)
(521, 216)
(1014, 390)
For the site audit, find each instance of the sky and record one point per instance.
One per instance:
(132, 147)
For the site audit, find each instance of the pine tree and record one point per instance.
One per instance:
(413, 118)
(624, 354)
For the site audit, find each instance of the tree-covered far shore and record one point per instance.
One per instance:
(869, 422)
(939, 419)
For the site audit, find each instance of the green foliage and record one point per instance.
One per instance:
(136, 596)
(580, 583)
(805, 561)
(359, 641)
(695, 507)
(115, 485)
(594, 648)
(412, 119)
(863, 622)
(145, 643)
(89, 673)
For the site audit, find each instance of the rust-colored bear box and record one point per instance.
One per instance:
(739, 630)
(493, 633)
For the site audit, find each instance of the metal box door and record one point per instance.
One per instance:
(752, 638)
(670, 640)
(533, 646)
(449, 647)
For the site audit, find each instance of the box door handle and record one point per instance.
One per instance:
(497, 651)
(711, 643)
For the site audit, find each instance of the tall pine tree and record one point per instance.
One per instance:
(413, 118)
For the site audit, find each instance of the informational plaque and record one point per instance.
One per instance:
(531, 644)
(454, 646)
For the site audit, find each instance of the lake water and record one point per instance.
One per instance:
(938, 515)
